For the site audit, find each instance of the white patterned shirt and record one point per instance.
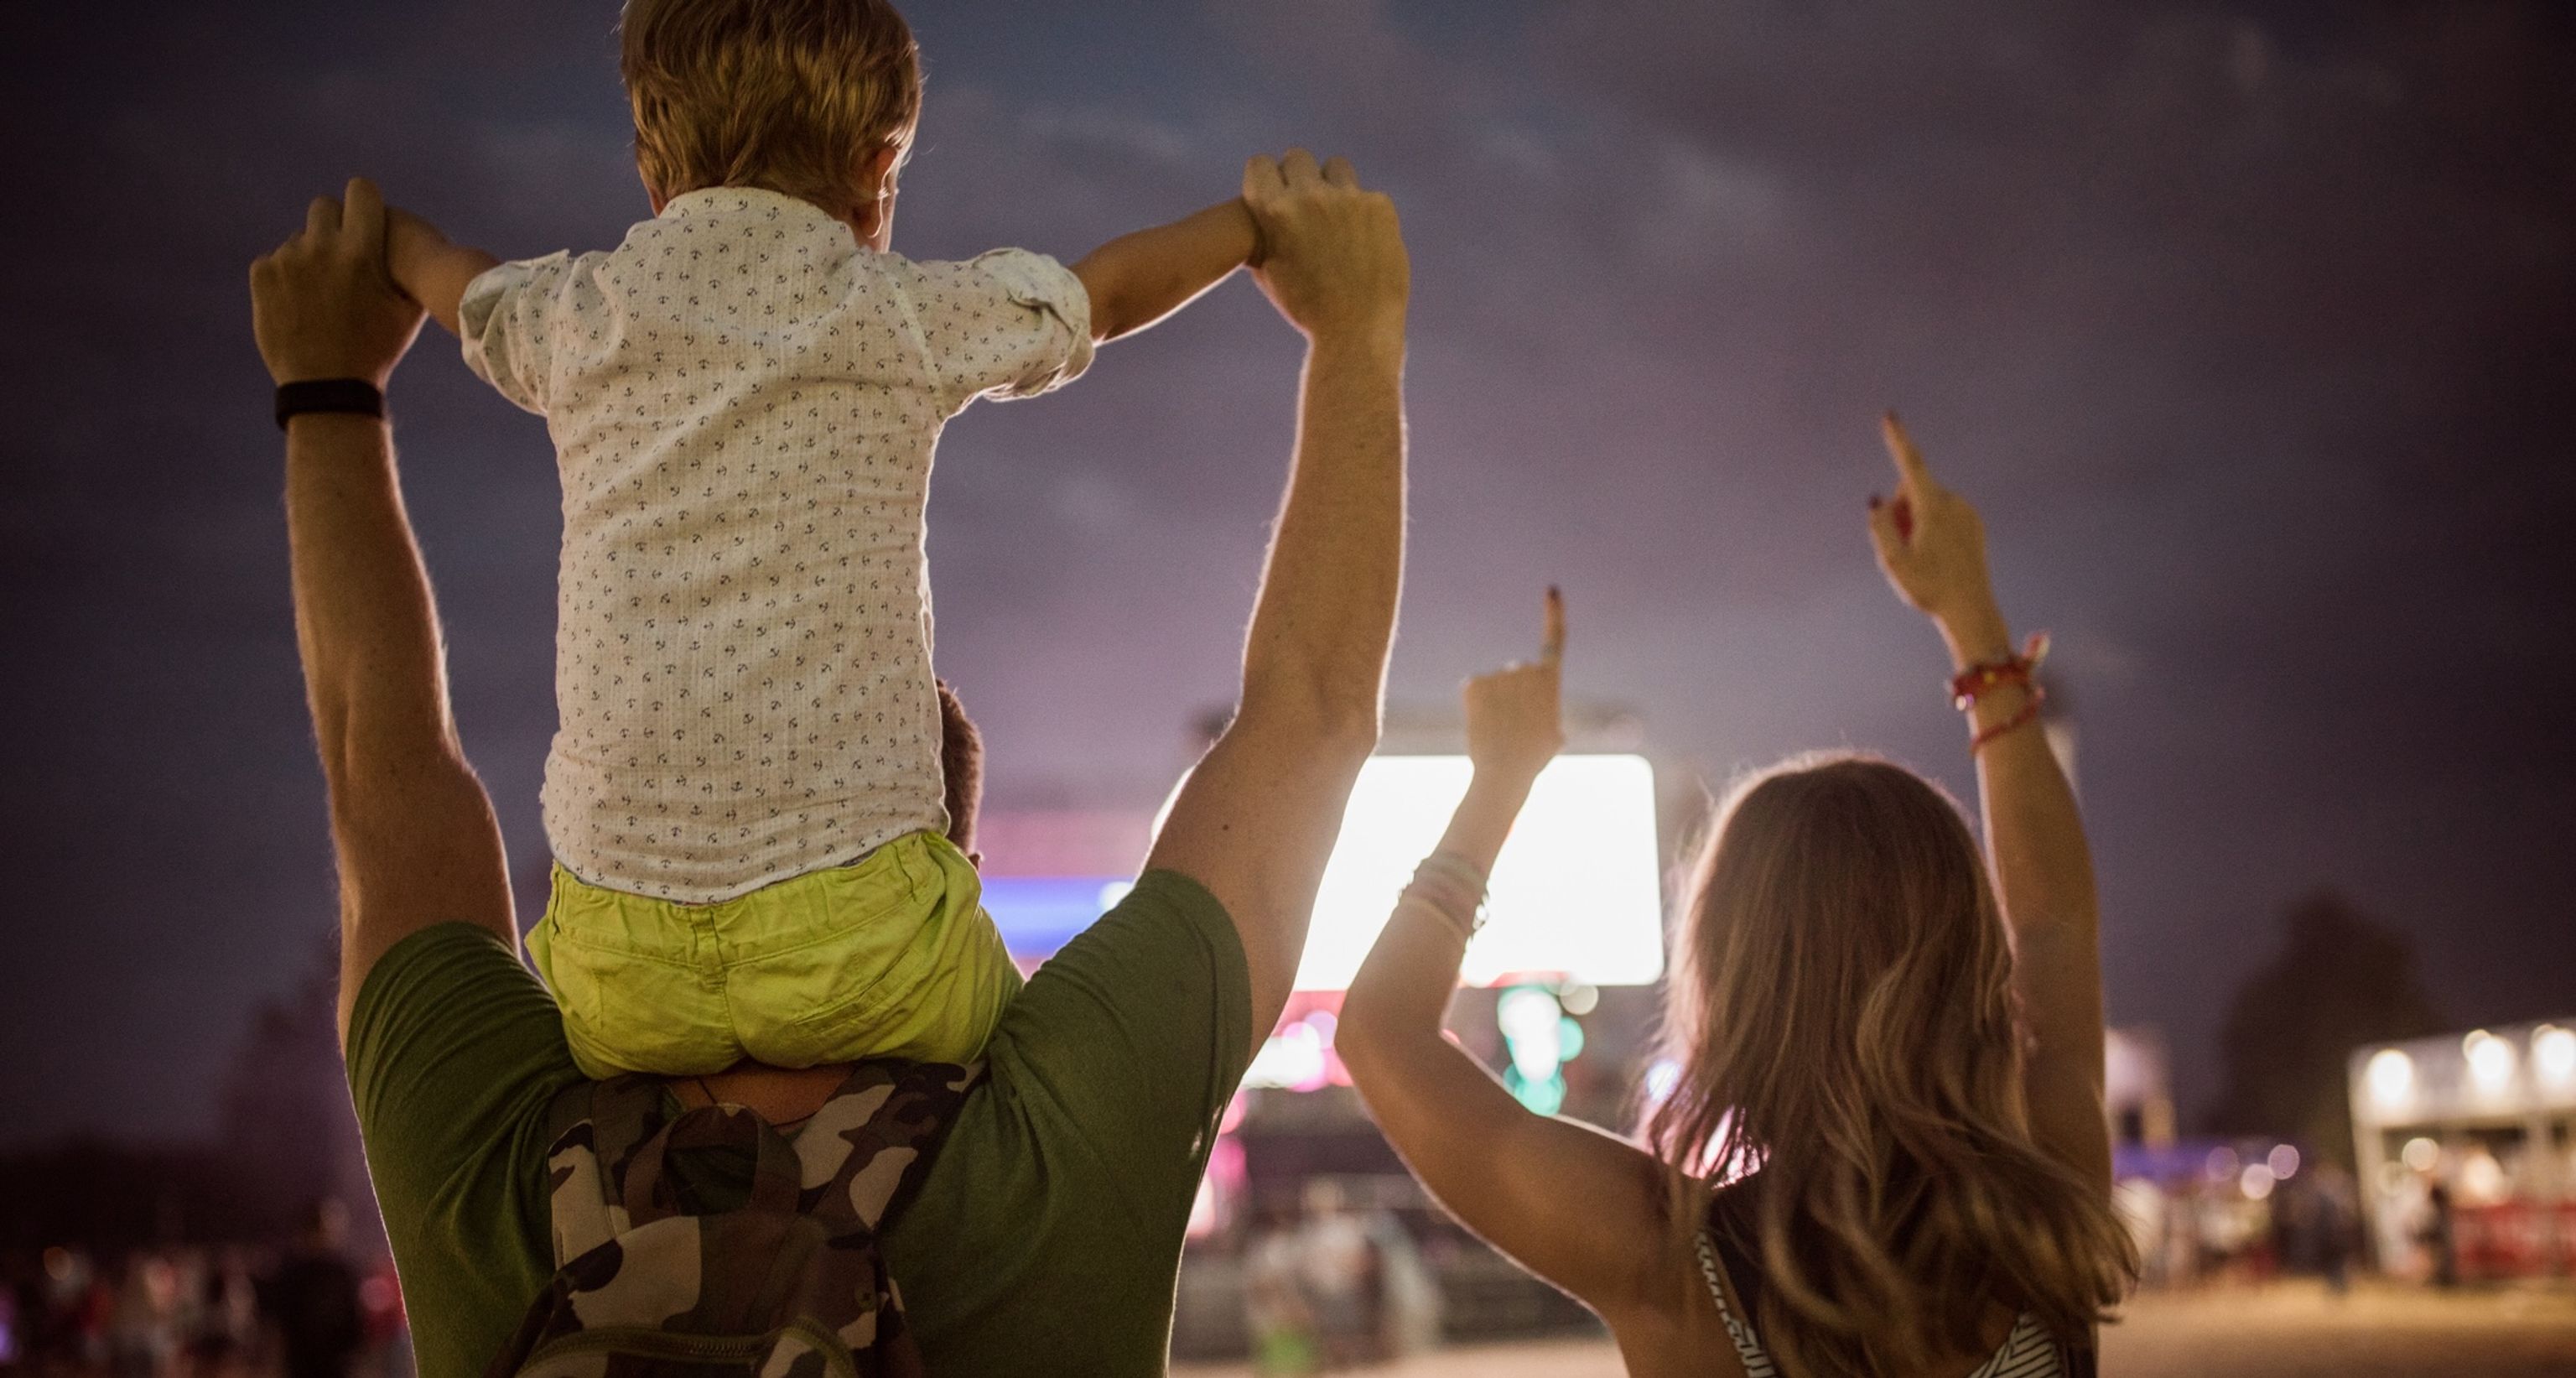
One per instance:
(744, 401)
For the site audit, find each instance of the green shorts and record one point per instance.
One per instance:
(889, 956)
(1045, 1237)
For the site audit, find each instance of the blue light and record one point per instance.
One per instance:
(1543, 1097)
(1038, 915)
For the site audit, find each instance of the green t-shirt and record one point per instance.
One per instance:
(1046, 1236)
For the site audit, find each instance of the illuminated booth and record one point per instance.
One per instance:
(1574, 931)
(2472, 1137)
(1557, 993)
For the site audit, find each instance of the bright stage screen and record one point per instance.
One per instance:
(1577, 891)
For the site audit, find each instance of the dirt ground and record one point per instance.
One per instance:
(2285, 1331)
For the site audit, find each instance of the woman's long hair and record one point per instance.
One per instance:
(1841, 1012)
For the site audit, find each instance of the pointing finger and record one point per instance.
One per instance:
(322, 218)
(1551, 646)
(1910, 470)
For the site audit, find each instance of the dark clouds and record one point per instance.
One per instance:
(2247, 324)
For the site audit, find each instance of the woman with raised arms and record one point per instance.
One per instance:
(1885, 1152)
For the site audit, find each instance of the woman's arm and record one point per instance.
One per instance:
(1933, 548)
(1565, 1200)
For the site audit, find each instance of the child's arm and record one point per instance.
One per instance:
(428, 268)
(1138, 279)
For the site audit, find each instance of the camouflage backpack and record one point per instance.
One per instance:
(650, 1283)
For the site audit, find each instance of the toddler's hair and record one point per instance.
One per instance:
(784, 94)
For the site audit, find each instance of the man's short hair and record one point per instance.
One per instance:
(784, 94)
(961, 760)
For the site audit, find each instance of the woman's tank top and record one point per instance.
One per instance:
(2029, 1352)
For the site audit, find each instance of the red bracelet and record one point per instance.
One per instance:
(1973, 683)
(2029, 714)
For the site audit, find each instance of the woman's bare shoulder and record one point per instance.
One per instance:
(1674, 1331)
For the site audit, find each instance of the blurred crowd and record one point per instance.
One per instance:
(298, 1308)
(2234, 1217)
(1331, 1284)
(2469, 1207)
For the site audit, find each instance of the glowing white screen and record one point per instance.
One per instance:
(1577, 890)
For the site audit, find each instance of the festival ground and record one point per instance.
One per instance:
(2285, 1331)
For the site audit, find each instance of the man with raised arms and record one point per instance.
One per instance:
(1045, 1235)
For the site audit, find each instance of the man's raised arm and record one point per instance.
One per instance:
(1258, 818)
(413, 828)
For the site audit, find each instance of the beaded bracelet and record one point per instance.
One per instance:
(1453, 887)
(1463, 908)
(1409, 900)
(2028, 714)
(1970, 684)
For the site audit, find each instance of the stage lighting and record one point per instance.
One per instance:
(2553, 1054)
(2491, 1060)
(2391, 1074)
(1577, 893)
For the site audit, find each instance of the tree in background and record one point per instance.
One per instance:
(283, 1118)
(285, 1138)
(2340, 979)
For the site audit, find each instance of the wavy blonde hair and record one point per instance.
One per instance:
(790, 95)
(1841, 1010)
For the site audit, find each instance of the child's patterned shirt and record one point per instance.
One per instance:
(744, 401)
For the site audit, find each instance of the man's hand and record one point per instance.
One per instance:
(1333, 258)
(323, 305)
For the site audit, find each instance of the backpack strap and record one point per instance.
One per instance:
(645, 1186)
(856, 1154)
(594, 1128)
(608, 1121)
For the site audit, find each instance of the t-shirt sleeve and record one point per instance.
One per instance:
(1104, 1086)
(1006, 324)
(455, 1052)
(503, 320)
(1143, 1022)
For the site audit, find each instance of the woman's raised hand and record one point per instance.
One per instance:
(1514, 726)
(1929, 540)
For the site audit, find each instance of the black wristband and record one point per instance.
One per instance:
(328, 395)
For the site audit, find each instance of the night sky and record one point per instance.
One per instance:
(2251, 328)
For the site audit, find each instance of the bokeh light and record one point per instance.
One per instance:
(2553, 1055)
(2392, 1078)
(2491, 1060)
